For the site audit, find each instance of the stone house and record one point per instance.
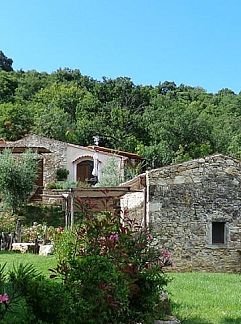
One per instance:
(196, 208)
(83, 163)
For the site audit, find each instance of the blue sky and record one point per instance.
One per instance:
(195, 42)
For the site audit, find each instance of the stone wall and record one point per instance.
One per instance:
(184, 200)
(51, 161)
(133, 204)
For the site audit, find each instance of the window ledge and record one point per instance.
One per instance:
(217, 246)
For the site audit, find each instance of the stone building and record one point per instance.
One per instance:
(196, 207)
(83, 163)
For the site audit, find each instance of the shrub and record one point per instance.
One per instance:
(62, 174)
(40, 232)
(30, 298)
(61, 185)
(7, 222)
(51, 215)
(97, 287)
(100, 243)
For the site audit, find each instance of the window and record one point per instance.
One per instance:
(218, 233)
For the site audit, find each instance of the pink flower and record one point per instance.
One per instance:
(166, 254)
(124, 230)
(4, 299)
(149, 237)
(114, 237)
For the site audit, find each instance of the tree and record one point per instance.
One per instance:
(110, 174)
(8, 85)
(51, 121)
(15, 121)
(17, 178)
(62, 96)
(5, 63)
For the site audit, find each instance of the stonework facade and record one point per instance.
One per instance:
(56, 154)
(196, 206)
(133, 205)
(56, 158)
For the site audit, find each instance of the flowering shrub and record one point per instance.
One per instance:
(40, 232)
(133, 257)
(4, 303)
(7, 222)
(28, 297)
(4, 299)
(111, 272)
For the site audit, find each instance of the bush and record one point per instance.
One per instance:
(99, 251)
(62, 174)
(7, 222)
(30, 298)
(109, 272)
(49, 214)
(97, 287)
(61, 185)
(40, 232)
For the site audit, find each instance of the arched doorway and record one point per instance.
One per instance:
(84, 170)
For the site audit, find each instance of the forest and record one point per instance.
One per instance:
(165, 123)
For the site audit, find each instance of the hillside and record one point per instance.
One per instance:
(164, 123)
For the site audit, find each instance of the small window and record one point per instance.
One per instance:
(218, 232)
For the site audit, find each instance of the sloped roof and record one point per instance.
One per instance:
(92, 192)
(117, 152)
(94, 148)
(22, 149)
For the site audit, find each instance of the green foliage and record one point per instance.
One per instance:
(110, 174)
(112, 269)
(8, 85)
(49, 214)
(131, 171)
(206, 297)
(15, 121)
(17, 178)
(51, 121)
(5, 62)
(97, 287)
(7, 222)
(39, 294)
(66, 245)
(166, 123)
(61, 185)
(62, 174)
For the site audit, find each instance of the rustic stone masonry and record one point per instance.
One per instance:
(132, 205)
(185, 203)
(51, 161)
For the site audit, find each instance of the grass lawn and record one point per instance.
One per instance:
(206, 298)
(41, 263)
(198, 298)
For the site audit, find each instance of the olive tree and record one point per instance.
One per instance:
(17, 177)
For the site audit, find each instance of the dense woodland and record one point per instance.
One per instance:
(164, 123)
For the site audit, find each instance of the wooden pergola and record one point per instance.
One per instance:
(74, 197)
